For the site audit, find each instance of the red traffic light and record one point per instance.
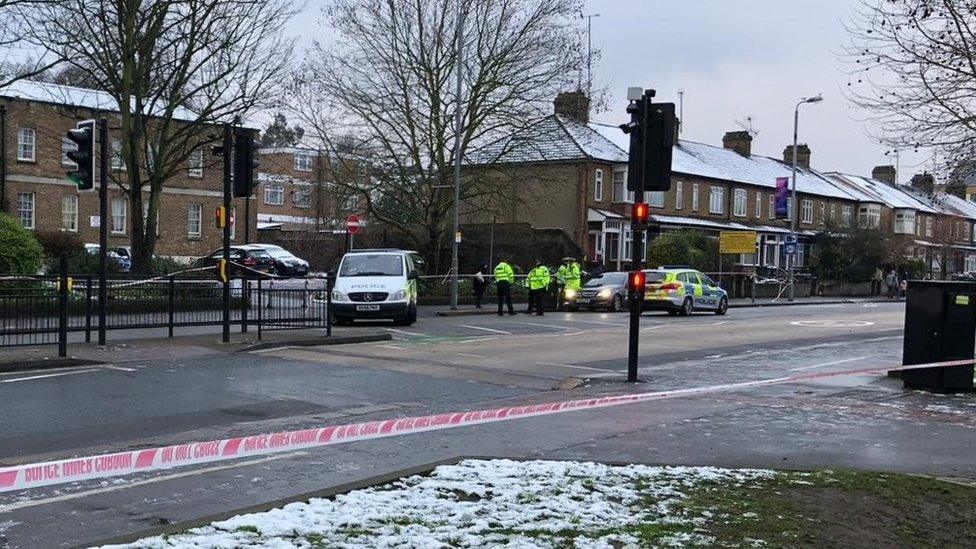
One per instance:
(636, 281)
(640, 212)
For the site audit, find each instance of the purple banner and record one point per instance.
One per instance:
(782, 197)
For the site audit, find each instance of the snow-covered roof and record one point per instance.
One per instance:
(598, 215)
(895, 196)
(43, 92)
(956, 205)
(549, 139)
(725, 225)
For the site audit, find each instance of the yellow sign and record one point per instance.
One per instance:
(737, 242)
(962, 300)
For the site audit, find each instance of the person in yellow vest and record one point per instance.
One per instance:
(504, 277)
(538, 284)
(561, 273)
(573, 275)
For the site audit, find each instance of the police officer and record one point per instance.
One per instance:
(573, 275)
(504, 277)
(561, 273)
(538, 284)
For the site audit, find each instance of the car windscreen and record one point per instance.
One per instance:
(280, 253)
(606, 279)
(258, 254)
(372, 265)
(656, 277)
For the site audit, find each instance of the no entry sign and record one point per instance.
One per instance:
(352, 224)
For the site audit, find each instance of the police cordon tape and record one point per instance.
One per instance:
(33, 475)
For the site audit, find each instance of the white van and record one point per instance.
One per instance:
(377, 284)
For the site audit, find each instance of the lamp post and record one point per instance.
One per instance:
(589, 53)
(795, 206)
(457, 162)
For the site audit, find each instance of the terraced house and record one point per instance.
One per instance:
(581, 168)
(34, 119)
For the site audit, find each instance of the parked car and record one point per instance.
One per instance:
(682, 291)
(285, 262)
(250, 255)
(119, 254)
(377, 284)
(607, 290)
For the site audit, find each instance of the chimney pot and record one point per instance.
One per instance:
(740, 142)
(886, 174)
(802, 155)
(575, 105)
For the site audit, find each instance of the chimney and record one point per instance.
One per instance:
(740, 142)
(886, 174)
(802, 156)
(574, 105)
(924, 182)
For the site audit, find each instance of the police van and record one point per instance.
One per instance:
(373, 284)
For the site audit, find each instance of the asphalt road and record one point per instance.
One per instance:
(472, 362)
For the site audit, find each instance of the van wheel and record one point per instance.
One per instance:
(409, 318)
(687, 307)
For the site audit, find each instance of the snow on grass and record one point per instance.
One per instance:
(497, 503)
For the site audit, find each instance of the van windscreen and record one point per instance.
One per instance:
(372, 265)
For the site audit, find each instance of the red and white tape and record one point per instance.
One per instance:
(63, 471)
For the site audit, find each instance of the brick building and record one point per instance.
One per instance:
(33, 163)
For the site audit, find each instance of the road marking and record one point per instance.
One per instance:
(492, 330)
(653, 327)
(477, 339)
(272, 349)
(118, 368)
(44, 376)
(571, 366)
(832, 323)
(843, 361)
(472, 356)
(66, 497)
(543, 325)
(390, 347)
(404, 332)
(617, 324)
(720, 322)
(47, 370)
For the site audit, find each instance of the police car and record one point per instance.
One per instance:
(681, 291)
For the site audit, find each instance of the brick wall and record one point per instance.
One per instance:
(305, 188)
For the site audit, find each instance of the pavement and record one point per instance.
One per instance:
(451, 364)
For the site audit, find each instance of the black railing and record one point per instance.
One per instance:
(33, 310)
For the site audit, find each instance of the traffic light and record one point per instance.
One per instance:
(639, 215)
(220, 215)
(245, 162)
(635, 282)
(652, 132)
(83, 136)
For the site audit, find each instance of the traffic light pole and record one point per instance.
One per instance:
(228, 156)
(639, 116)
(103, 222)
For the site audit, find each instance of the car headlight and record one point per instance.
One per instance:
(338, 296)
(605, 293)
(570, 293)
(398, 295)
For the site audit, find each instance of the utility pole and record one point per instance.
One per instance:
(589, 54)
(456, 244)
(681, 111)
(103, 222)
(228, 152)
(795, 210)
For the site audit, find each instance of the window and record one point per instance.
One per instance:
(25, 209)
(303, 161)
(823, 212)
(302, 198)
(274, 194)
(772, 207)
(739, 202)
(619, 186)
(904, 221)
(806, 211)
(598, 186)
(928, 227)
(758, 206)
(69, 213)
(628, 242)
(716, 200)
(118, 163)
(869, 216)
(119, 207)
(833, 213)
(194, 220)
(679, 195)
(694, 197)
(656, 199)
(26, 144)
(196, 163)
(846, 213)
(67, 146)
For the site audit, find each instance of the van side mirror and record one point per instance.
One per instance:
(413, 274)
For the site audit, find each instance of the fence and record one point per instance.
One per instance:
(41, 310)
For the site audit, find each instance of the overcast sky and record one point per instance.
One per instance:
(733, 59)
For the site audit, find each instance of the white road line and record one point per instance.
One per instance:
(44, 376)
(390, 347)
(843, 361)
(653, 327)
(492, 330)
(272, 349)
(404, 332)
(477, 339)
(472, 356)
(617, 324)
(118, 368)
(720, 322)
(543, 325)
(47, 370)
(117, 487)
(571, 366)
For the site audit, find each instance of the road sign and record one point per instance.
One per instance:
(352, 224)
(737, 242)
(789, 248)
(95, 221)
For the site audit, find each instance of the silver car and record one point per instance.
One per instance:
(605, 291)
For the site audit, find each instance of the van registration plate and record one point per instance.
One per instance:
(367, 307)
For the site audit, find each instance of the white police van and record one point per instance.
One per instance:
(375, 284)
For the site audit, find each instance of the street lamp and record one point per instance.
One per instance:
(796, 206)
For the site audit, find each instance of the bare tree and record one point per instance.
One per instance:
(914, 70)
(385, 85)
(173, 68)
(17, 62)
